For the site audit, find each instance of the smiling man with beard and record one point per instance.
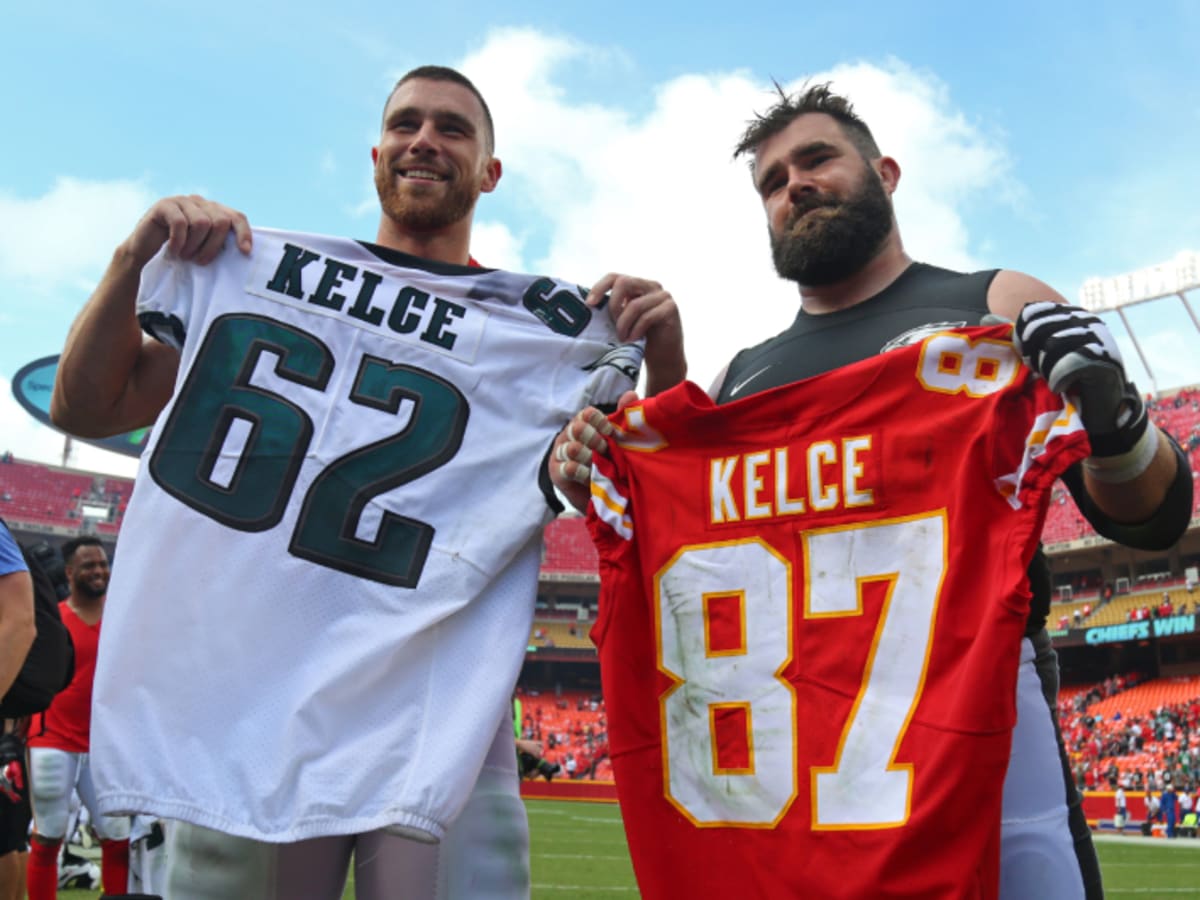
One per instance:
(332, 680)
(428, 188)
(826, 189)
(59, 742)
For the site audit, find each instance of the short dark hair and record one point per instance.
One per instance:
(445, 73)
(817, 98)
(70, 547)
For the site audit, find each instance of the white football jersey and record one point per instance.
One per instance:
(326, 576)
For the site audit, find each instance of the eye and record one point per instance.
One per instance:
(771, 185)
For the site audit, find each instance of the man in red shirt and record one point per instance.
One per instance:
(58, 743)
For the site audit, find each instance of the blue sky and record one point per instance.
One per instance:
(1053, 138)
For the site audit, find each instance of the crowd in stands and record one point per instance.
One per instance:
(1179, 599)
(1166, 607)
(1139, 735)
(573, 729)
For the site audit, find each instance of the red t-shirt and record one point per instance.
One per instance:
(811, 609)
(68, 721)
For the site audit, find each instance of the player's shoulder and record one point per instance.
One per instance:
(1010, 290)
(923, 281)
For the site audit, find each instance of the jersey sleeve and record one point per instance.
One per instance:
(11, 559)
(165, 297)
(1038, 436)
(610, 523)
(171, 292)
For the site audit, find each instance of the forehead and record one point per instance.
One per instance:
(436, 97)
(89, 553)
(809, 128)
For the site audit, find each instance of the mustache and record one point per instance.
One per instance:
(806, 205)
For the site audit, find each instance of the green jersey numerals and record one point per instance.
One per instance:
(252, 492)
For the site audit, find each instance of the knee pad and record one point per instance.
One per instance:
(51, 776)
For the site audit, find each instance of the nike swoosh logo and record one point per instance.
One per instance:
(733, 391)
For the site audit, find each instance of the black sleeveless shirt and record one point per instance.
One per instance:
(923, 300)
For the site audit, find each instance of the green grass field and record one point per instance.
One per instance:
(579, 852)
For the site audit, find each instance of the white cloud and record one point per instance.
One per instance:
(601, 188)
(65, 237)
(497, 247)
(658, 195)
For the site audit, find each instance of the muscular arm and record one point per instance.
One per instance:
(111, 378)
(17, 628)
(1131, 502)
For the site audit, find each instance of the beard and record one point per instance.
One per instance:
(423, 211)
(833, 246)
(82, 588)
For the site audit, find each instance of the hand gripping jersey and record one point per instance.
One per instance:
(326, 576)
(811, 610)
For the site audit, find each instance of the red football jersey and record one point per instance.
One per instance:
(67, 724)
(811, 609)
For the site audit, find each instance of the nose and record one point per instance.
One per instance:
(422, 140)
(800, 183)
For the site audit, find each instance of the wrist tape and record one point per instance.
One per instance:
(1128, 465)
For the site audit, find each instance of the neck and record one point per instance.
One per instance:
(451, 244)
(886, 266)
(89, 609)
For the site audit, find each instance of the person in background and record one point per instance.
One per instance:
(17, 631)
(60, 739)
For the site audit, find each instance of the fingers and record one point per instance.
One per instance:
(575, 446)
(638, 306)
(192, 227)
(600, 289)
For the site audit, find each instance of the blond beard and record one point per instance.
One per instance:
(423, 213)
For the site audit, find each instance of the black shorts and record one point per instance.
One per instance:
(14, 824)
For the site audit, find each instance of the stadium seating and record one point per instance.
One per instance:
(570, 716)
(1117, 611)
(31, 492)
(571, 635)
(1179, 415)
(569, 549)
(1097, 722)
(1148, 697)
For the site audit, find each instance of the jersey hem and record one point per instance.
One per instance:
(314, 827)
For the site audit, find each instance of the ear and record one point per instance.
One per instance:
(889, 173)
(491, 175)
(374, 156)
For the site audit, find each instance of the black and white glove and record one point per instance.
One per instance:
(1078, 356)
